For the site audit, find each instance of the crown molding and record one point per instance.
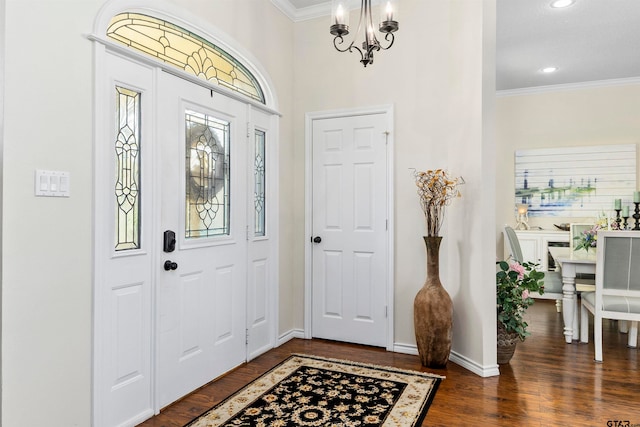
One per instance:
(567, 87)
(305, 13)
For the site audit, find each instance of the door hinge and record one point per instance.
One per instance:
(386, 224)
(386, 311)
(246, 337)
(247, 234)
(248, 130)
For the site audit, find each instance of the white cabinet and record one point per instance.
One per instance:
(535, 245)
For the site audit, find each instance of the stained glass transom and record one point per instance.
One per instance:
(207, 175)
(185, 50)
(260, 184)
(127, 186)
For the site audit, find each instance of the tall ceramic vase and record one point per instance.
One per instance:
(433, 312)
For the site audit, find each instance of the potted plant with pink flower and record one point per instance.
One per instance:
(514, 283)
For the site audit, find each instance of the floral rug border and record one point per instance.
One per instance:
(408, 410)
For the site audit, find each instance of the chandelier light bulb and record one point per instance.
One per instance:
(562, 3)
(340, 15)
(389, 11)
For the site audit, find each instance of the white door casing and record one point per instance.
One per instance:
(350, 216)
(133, 316)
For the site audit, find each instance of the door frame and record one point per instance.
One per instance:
(388, 111)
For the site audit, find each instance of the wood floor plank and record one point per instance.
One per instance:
(547, 383)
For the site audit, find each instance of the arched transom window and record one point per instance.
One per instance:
(185, 50)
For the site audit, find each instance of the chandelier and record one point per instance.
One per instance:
(388, 24)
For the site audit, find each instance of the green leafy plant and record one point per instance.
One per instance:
(514, 283)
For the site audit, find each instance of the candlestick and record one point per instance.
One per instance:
(618, 219)
(624, 222)
(636, 216)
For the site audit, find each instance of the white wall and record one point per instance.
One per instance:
(2, 56)
(46, 242)
(472, 150)
(564, 118)
(438, 75)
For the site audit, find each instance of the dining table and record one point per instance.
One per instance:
(571, 264)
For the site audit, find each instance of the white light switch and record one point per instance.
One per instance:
(44, 183)
(52, 183)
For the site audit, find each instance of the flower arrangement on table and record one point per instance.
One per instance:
(514, 283)
(436, 190)
(587, 239)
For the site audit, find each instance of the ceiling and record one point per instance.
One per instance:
(589, 41)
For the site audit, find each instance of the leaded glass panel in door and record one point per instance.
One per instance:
(259, 183)
(127, 185)
(207, 175)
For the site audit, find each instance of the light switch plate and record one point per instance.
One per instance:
(52, 183)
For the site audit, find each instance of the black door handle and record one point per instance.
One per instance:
(170, 265)
(317, 239)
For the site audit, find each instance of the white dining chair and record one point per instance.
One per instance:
(552, 279)
(617, 294)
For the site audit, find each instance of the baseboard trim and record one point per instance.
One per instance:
(483, 371)
(405, 348)
(458, 359)
(289, 335)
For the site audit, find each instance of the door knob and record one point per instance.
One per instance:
(170, 265)
(317, 239)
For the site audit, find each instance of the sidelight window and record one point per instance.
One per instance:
(259, 183)
(127, 186)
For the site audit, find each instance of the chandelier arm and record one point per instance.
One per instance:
(353, 46)
(336, 43)
(363, 18)
(386, 37)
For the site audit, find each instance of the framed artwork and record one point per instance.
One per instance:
(575, 181)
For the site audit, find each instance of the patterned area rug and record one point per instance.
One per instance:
(313, 391)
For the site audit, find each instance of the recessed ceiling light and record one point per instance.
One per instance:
(562, 3)
(548, 70)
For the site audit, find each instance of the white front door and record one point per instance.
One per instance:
(349, 229)
(176, 157)
(202, 286)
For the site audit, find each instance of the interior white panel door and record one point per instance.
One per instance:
(202, 295)
(349, 261)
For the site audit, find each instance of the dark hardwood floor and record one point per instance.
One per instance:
(547, 383)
